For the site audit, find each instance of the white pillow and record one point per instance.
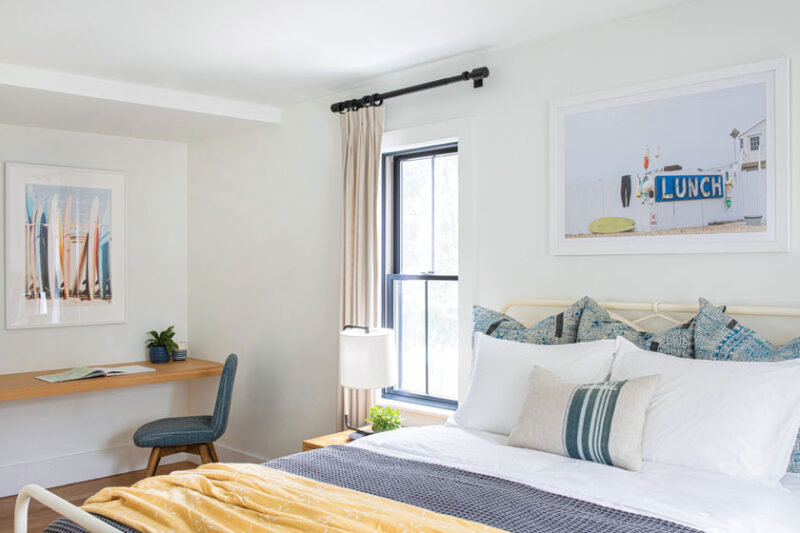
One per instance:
(500, 373)
(736, 418)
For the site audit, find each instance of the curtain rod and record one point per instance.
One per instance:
(476, 75)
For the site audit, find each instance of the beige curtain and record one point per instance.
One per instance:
(360, 293)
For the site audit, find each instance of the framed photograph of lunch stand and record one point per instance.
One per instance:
(697, 164)
(65, 246)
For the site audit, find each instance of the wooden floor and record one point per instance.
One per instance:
(40, 516)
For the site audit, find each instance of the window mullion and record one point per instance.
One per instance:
(399, 339)
(427, 373)
(433, 215)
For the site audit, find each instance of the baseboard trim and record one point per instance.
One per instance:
(228, 454)
(84, 466)
(74, 468)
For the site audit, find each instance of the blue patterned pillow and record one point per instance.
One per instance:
(720, 337)
(557, 329)
(597, 323)
(487, 320)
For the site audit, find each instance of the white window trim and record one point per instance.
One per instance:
(415, 408)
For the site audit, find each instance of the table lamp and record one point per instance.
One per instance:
(367, 360)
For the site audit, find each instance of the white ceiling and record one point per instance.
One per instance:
(275, 52)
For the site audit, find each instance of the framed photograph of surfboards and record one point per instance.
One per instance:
(697, 164)
(65, 246)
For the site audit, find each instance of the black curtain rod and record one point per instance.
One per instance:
(477, 75)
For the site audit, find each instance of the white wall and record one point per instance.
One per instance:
(83, 436)
(263, 280)
(282, 314)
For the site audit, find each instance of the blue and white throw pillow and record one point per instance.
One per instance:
(718, 336)
(487, 320)
(597, 323)
(722, 338)
(557, 329)
(554, 418)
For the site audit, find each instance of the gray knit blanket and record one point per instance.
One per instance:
(485, 499)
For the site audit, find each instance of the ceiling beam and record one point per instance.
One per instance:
(61, 82)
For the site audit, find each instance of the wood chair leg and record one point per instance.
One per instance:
(152, 464)
(213, 452)
(205, 455)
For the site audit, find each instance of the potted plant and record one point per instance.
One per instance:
(384, 418)
(161, 345)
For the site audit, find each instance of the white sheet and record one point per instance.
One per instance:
(791, 482)
(703, 500)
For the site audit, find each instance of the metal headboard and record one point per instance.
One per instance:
(658, 310)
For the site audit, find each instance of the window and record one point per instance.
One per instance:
(755, 142)
(420, 292)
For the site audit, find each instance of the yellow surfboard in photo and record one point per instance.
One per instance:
(611, 225)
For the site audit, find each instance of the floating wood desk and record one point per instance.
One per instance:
(25, 385)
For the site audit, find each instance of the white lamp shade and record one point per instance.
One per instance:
(367, 360)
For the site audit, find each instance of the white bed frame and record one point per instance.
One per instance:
(57, 504)
(652, 311)
(648, 311)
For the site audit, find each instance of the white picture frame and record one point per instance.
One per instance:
(78, 278)
(570, 148)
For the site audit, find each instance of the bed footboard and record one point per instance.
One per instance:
(59, 505)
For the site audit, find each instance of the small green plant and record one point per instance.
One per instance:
(384, 418)
(164, 339)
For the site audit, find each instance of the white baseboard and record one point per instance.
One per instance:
(57, 471)
(74, 468)
(226, 454)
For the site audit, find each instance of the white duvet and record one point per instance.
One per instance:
(706, 501)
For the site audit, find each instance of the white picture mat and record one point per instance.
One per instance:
(775, 74)
(24, 313)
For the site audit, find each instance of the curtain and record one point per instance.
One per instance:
(360, 287)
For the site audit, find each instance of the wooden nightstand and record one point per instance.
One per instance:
(342, 437)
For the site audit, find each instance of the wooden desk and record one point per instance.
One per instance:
(25, 385)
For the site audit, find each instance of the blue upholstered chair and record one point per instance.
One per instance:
(190, 434)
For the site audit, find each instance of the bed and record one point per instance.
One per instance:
(477, 478)
(676, 499)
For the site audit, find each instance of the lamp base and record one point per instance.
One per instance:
(357, 433)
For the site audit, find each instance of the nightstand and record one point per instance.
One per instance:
(342, 437)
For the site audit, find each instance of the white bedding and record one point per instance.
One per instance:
(703, 500)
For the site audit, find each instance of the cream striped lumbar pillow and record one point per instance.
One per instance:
(599, 422)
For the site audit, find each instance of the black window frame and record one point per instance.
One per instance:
(395, 159)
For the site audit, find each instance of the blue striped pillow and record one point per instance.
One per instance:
(587, 428)
(598, 422)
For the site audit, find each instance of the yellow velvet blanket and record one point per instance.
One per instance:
(252, 498)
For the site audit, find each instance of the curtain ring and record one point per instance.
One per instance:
(376, 100)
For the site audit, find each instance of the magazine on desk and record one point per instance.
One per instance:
(85, 372)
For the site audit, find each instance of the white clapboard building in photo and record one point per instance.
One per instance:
(673, 198)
